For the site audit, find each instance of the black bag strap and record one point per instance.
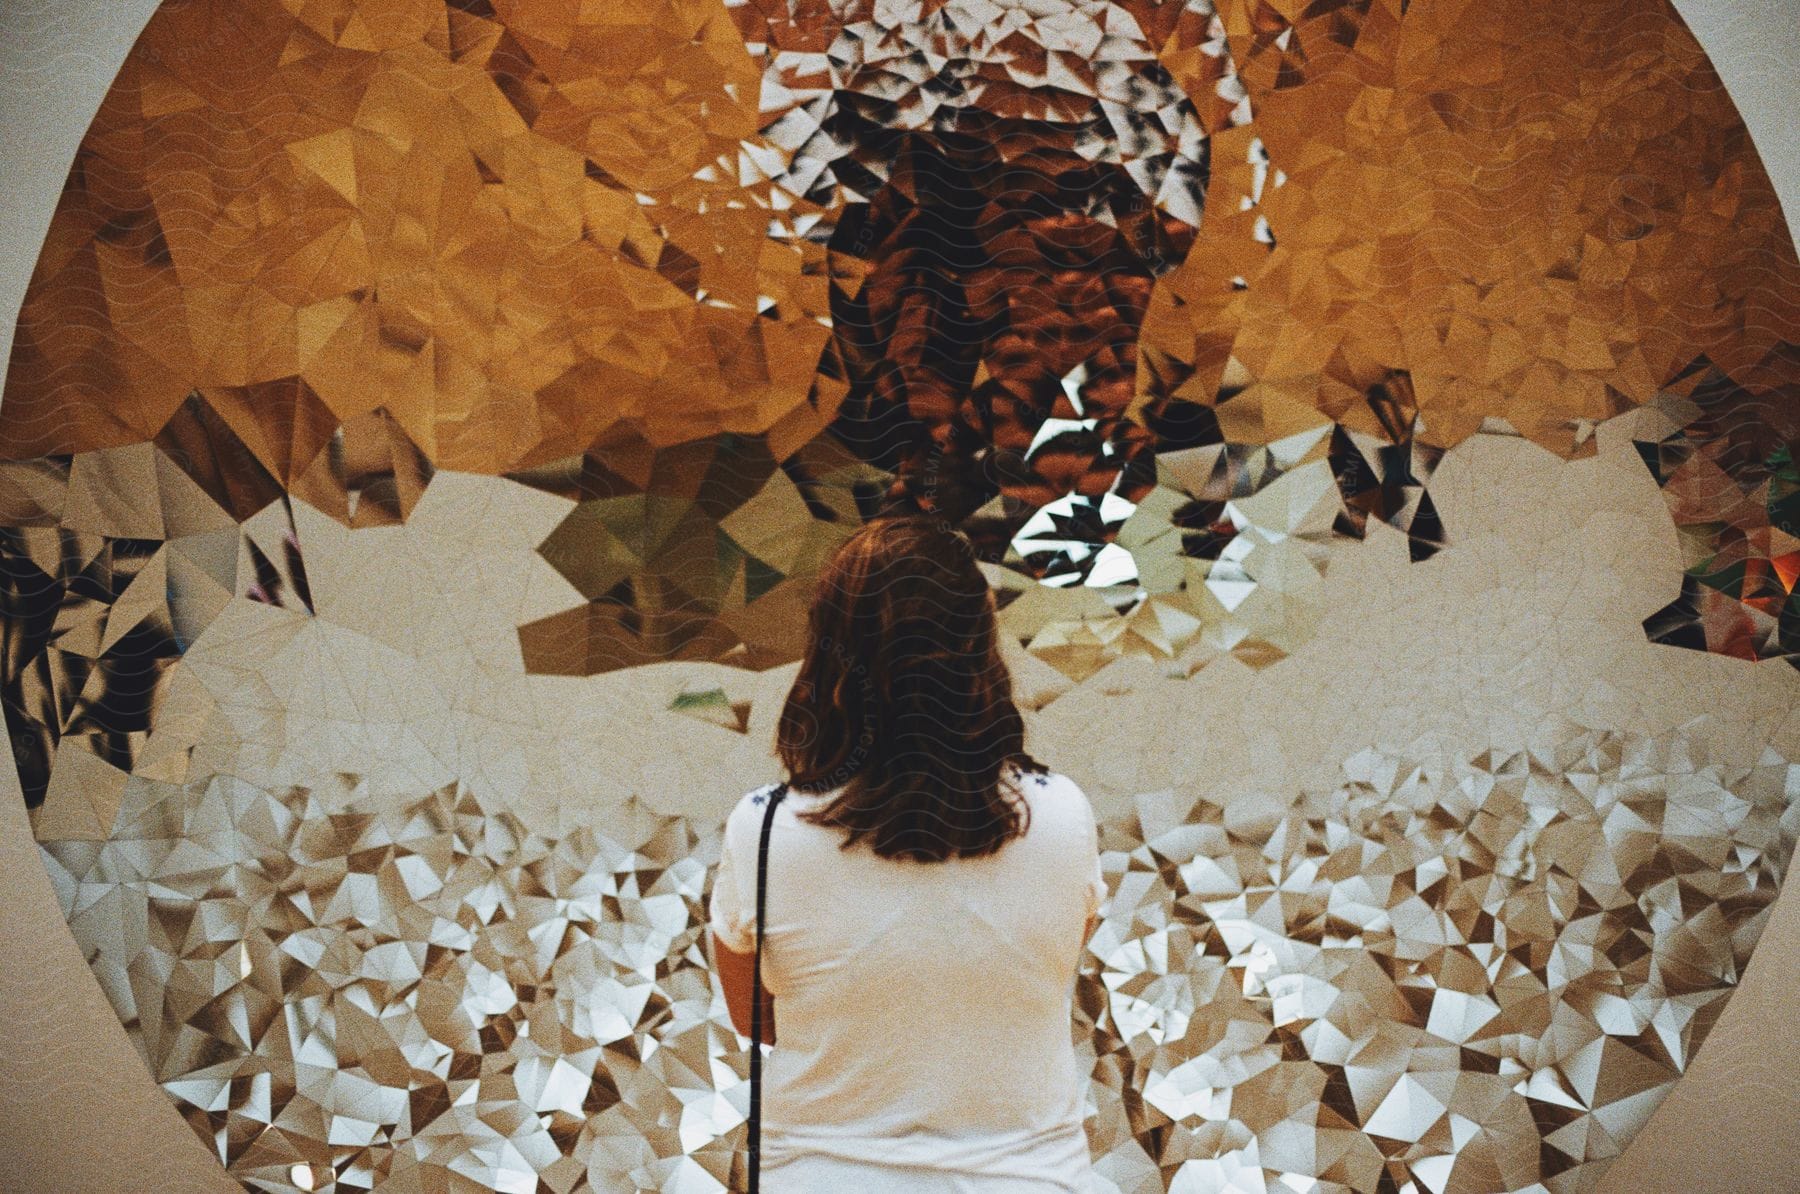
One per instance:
(756, 992)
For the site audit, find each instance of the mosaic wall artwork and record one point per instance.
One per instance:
(1462, 975)
(1163, 301)
(1159, 300)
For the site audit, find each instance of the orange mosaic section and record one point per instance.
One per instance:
(1086, 276)
(510, 227)
(1541, 213)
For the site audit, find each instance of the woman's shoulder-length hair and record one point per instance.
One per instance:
(903, 700)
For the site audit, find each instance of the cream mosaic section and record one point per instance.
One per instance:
(1479, 973)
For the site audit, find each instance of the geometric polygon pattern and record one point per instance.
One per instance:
(1480, 973)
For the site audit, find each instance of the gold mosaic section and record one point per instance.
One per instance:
(704, 550)
(1539, 215)
(1520, 245)
(510, 227)
(1474, 973)
(1099, 279)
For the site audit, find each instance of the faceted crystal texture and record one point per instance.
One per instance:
(1090, 277)
(1485, 972)
(1165, 302)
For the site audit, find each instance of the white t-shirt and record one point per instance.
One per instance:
(922, 1009)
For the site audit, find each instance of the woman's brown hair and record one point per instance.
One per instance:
(903, 699)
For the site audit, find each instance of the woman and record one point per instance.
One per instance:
(930, 890)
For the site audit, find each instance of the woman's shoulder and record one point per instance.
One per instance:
(746, 816)
(752, 804)
(751, 809)
(1053, 794)
(1044, 779)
